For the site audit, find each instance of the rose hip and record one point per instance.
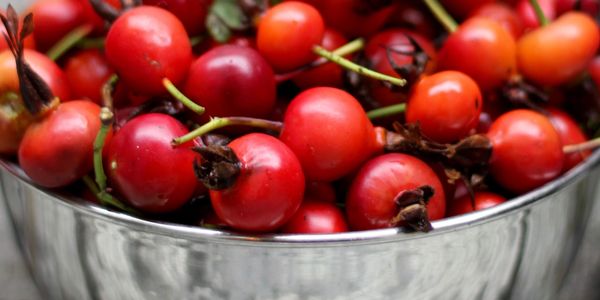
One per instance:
(446, 105)
(256, 182)
(527, 150)
(143, 167)
(482, 200)
(147, 44)
(316, 217)
(87, 71)
(232, 80)
(373, 198)
(329, 132)
(287, 34)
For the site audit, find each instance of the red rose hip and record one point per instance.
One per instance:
(147, 44)
(287, 34)
(146, 169)
(265, 188)
(527, 150)
(372, 200)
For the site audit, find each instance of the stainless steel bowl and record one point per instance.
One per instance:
(538, 246)
(522, 249)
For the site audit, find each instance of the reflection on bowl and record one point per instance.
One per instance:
(521, 249)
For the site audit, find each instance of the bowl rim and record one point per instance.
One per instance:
(309, 240)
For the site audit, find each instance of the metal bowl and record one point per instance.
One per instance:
(522, 249)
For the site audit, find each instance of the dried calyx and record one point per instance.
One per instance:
(253, 7)
(469, 158)
(215, 139)
(218, 168)
(412, 71)
(584, 105)
(36, 93)
(157, 105)
(412, 205)
(522, 94)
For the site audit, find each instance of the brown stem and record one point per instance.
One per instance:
(107, 91)
(588, 145)
(520, 93)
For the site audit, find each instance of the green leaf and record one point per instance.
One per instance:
(217, 29)
(230, 13)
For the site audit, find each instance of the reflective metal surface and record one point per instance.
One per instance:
(519, 250)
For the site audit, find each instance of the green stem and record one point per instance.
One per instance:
(589, 145)
(108, 199)
(68, 41)
(196, 40)
(91, 43)
(91, 184)
(106, 118)
(217, 123)
(442, 15)
(172, 89)
(387, 111)
(539, 13)
(349, 48)
(347, 64)
(106, 121)
(100, 187)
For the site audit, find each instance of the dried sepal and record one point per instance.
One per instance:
(214, 139)
(36, 93)
(28, 27)
(584, 105)
(522, 94)
(468, 158)
(11, 24)
(218, 168)
(253, 7)
(412, 205)
(157, 105)
(411, 72)
(13, 21)
(471, 152)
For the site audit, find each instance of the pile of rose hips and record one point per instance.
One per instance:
(166, 104)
